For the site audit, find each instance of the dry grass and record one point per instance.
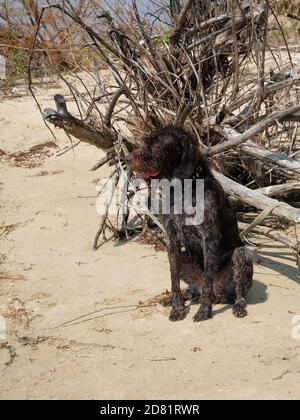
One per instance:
(59, 42)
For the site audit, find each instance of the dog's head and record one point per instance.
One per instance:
(168, 153)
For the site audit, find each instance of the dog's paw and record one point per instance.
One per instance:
(177, 313)
(202, 315)
(239, 310)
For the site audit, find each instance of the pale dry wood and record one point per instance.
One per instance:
(264, 92)
(108, 157)
(257, 199)
(88, 134)
(282, 189)
(277, 235)
(265, 155)
(184, 74)
(239, 22)
(81, 130)
(251, 132)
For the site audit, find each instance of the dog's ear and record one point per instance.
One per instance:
(189, 160)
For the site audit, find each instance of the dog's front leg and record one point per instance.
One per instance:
(178, 311)
(205, 311)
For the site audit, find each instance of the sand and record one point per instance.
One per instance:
(86, 325)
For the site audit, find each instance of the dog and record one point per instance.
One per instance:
(210, 256)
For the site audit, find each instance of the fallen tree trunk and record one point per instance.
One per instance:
(257, 199)
(73, 126)
(274, 234)
(281, 189)
(208, 58)
(87, 134)
(268, 156)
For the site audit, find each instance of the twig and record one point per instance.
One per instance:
(102, 162)
(67, 149)
(256, 129)
(295, 17)
(274, 234)
(180, 21)
(282, 189)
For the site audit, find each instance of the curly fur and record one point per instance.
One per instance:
(214, 263)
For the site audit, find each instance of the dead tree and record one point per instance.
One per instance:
(206, 65)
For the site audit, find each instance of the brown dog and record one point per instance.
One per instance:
(209, 256)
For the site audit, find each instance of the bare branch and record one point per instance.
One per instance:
(256, 129)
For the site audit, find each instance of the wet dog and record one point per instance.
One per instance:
(209, 256)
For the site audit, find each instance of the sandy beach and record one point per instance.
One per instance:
(87, 325)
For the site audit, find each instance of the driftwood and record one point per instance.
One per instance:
(206, 66)
(275, 235)
(107, 158)
(282, 189)
(77, 128)
(251, 132)
(257, 199)
(252, 149)
(265, 92)
(269, 157)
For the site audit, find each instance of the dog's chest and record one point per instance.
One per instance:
(190, 237)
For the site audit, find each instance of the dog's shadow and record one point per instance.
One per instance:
(290, 272)
(258, 294)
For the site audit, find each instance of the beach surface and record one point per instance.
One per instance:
(87, 325)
